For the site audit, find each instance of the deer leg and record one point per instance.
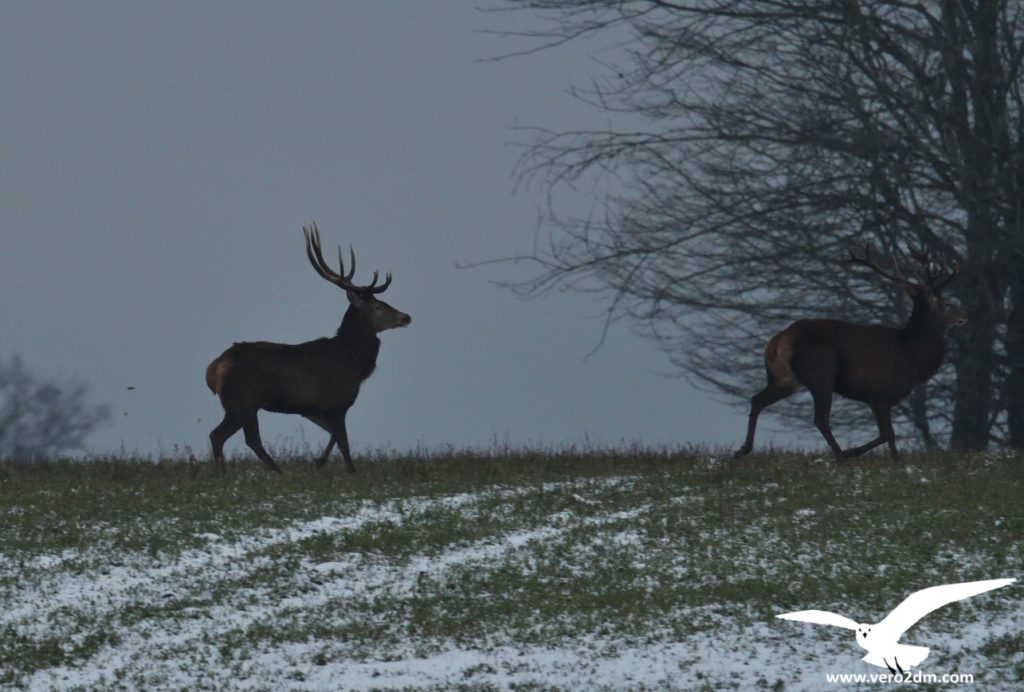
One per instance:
(766, 397)
(815, 366)
(251, 428)
(219, 435)
(326, 454)
(857, 451)
(323, 423)
(340, 435)
(822, 411)
(883, 417)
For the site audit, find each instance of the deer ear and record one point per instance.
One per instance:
(353, 297)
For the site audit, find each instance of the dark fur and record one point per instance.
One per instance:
(317, 379)
(871, 363)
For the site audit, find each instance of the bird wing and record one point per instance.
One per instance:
(820, 617)
(920, 603)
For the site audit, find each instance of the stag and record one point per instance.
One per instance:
(874, 364)
(317, 379)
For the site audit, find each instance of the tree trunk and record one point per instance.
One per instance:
(979, 124)
(1015, 376)
(918, 404)
(972, 396)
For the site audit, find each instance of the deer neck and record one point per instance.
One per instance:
(926, 335)
(358, 343)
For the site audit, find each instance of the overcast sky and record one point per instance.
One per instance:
(157, 162)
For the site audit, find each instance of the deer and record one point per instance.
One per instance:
(871, 363)
(318, 379)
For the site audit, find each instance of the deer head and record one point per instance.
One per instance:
(362, 299)
(926, 291)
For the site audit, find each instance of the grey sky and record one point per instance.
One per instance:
(157, 161)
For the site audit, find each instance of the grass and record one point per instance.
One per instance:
(601, 552)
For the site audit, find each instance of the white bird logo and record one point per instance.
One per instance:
(882, 641)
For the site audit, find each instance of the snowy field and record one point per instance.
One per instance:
(631, 580)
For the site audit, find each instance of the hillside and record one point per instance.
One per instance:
(534, 570)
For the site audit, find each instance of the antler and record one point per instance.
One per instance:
(932, 271)
(867, 261)
(952, 275)
(316, 258)
(923, 257)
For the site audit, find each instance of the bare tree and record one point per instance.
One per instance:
(752, 143)
(40, 419)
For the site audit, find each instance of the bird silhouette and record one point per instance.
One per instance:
(882, 640)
